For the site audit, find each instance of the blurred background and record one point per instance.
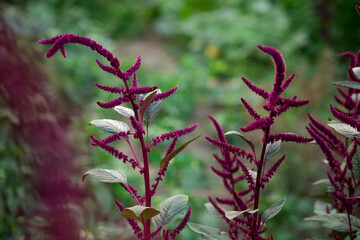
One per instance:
(202, 46)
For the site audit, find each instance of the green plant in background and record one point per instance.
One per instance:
(144, 109)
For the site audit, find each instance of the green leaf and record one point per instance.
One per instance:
(110, 126)
(170, 210)
(208, 233)
(151, 109)
(234, 214)
(124, 111)
(336, 221)
(320, 238)
(356, 70)
(348, 84)
(321, 207)
(212, 209)
(241, 136)
(176, 151)
(344, 129)
(322, 181)
(139, 213)
(271, 150)
(273, 210)
(356, 164)
(106, 175)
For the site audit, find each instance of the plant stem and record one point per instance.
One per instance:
(146, 171)
(132, 149)
(260, 166)
(132, 193)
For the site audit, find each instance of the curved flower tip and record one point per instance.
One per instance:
(351, 57)
(134, 67)
(277, 58)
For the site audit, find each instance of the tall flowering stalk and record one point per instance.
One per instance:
(145, 103)
(342, 156)
(245, 219)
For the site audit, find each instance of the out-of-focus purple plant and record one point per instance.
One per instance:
(342, 156)
(145, 103)
(240, 209)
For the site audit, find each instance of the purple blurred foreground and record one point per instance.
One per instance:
(39, 127)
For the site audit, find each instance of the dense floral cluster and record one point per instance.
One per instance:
(132, 95)
(233, 167)
(342, 155)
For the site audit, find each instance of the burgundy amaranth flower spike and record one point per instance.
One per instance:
(237, 164)
(141, 109)
(342, 155)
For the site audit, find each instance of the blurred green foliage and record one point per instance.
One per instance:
(210, 44)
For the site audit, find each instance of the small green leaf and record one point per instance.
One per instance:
(322, 181)
(273, 210)
(212, 209)
(126, 112)
(208, 233)
(145, 104)
(271, 150)
(356, 164)
(241, 136)
(110, 126)
(356, 70)
(348, 84)
(139, 213)
(170, 210)
(344, 129)
(336, 221)
(234, 214)
(149, 109)
(106, 175)
(171, 155)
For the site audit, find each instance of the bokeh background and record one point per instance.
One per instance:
(202, 46)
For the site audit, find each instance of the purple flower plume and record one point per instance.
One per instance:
(259, 91)
(138, 127)
(261, 123)
(286, 84)
(109, 89)
(182, 224)
(134, 67)
(330, 136)
(247, 174)
(231, 148)
(134, 225)
(134, 83)
(250, 110)
(289, 137)
(164, 95)
(333, 163)
(105, 68)
(173, 134)
(345, 119)
(59, 41)
(279, 75)
(274, 168)
(114, 152)
(172, 146)
(114, 103)
(141, 90)
(351, 57)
